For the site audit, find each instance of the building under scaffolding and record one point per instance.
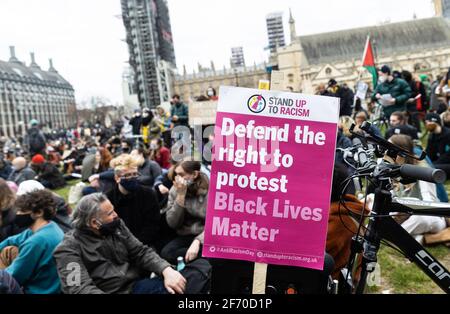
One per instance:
(150, 45)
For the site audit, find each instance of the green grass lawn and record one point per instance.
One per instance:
(399, 275)
(64, 192)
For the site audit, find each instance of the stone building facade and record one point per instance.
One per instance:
(28, 92)
(191, 86)
(421, 46)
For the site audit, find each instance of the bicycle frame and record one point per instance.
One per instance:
(387, 228)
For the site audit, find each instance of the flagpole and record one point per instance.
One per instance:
(359, 70)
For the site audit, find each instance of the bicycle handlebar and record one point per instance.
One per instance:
(423, 173)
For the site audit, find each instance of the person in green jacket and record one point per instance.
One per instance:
(398, 88)
(28, 256)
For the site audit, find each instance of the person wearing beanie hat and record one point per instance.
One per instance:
(392, 92)
(38, 159)
(47, 173)
(344, 93)
(433, 117)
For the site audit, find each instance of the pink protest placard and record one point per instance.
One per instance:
(271, 177)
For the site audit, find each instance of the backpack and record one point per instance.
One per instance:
(198, 276)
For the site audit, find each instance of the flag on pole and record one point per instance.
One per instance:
(369, 61)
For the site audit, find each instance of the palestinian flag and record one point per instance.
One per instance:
(369, 62)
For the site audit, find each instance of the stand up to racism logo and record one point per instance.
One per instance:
(256, 104)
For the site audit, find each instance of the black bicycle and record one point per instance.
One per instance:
(381, 226)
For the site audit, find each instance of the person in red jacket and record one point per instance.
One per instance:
(160, 153)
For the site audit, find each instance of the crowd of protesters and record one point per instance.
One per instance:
(137, 209)
(415, 110)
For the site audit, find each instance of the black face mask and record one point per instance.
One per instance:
(126, 150)
(24, 221)
(109, 228)
(131, 185)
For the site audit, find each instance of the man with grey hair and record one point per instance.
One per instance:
(102, 256)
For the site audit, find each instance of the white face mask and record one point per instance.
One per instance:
(210, 93)
(382, 79)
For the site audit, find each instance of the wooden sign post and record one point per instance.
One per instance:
(260, 269)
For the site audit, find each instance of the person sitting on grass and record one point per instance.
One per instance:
(27, 257)
(109, 258)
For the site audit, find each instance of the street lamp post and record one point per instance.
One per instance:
(236, 77)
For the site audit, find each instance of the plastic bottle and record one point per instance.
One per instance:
(180, 263)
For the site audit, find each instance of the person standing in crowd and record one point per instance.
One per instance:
(47, 173)
(397, 88)
(160, 153)
(35, 141)
(28, 256)
(435, 99)
(136, 205)
(345, 94)
(179, 112)
(136, 122)
(21, 171)
(150, 127)
(398, 125)
(417, 104)
(187, 211)
(165, 121)
(121, 264)
(212, 94)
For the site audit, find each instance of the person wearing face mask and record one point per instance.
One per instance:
(110, 258)
(150, 127)
(398, 88)
(212, 94)
(125, 147)
(187, 211)
(438, 147)
(148, 169)
(160, 153)
(28, 256)
(136, 204)
(136, 122)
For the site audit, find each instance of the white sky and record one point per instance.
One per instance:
(84, 37)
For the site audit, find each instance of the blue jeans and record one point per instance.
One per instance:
(149, 286)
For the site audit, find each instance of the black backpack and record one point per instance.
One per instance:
(198, 277)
